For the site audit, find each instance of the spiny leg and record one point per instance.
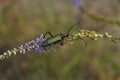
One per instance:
(48, 33)
(83, 40)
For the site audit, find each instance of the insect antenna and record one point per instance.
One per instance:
(77, 23)
(72, 27)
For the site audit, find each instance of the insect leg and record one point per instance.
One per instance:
(84, 41)
(48, 33)
(61, 43)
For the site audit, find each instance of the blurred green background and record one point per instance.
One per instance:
(24, 20)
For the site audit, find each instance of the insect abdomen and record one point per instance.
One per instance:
(52, 40)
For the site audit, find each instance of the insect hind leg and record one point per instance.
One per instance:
(48, 33)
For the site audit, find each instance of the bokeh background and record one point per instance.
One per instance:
(24, 20)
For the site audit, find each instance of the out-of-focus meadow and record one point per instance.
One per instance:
(24, 20)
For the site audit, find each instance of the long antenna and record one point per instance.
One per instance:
(77, 23)
(72, 27)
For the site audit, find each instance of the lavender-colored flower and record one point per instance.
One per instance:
(33, 45)
(77, 3)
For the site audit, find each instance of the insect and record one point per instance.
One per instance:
(58, 38)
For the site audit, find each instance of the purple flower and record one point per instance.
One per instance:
(77, 3)
(33, 45)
